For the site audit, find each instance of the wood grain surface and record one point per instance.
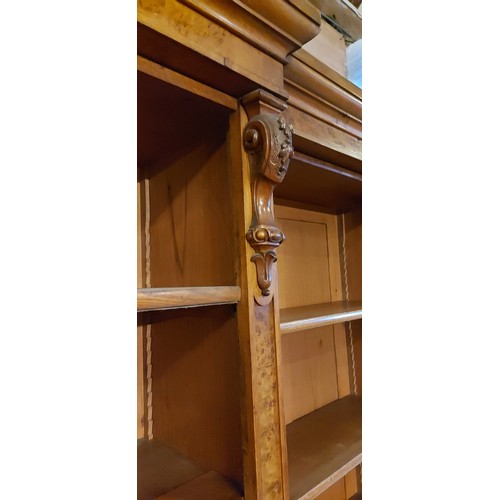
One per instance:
(263, 438)
(315, 364)
(193, 30)
(189, 84)
(329, 47)
(150, 299)
(323, 184)
(324, 446)
(295, 319)
(160, 469)
(196, 386)
(208, 486)
(171, 119)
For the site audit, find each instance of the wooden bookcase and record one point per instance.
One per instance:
(249, 256)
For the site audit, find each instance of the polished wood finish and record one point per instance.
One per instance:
(328, 46)
(263, 438)
(195, 386)
(160, 469)
(339, 93)
(336, 491)
(324, 141)
(183, 82)
(320, 184)
(314, 362)
(296, 319)
(192, 227)
(150, 299)
(171, 54)
(171, 120)
(267, 139)
(323, 446)
(209, 485)
(325, 110)
(219, 83)
(275, 28)
(351, 482)
(200, 34)
(164, 474)
(318, 67)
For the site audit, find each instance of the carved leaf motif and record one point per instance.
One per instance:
(268, 141)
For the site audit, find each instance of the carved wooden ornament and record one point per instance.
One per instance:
(267, 139)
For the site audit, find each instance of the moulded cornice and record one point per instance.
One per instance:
(276, 27)
(324, 83)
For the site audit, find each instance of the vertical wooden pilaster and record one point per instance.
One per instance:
(263, 424)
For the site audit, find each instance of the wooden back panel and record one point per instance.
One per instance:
(196, 386)
(182, 155)
(315, 363)
(192, 236)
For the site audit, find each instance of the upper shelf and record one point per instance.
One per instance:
(319, 183)
(295, 319)
(323, 446)
(153, 299)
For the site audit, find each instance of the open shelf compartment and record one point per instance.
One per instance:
(324, 185)
(324, 446)
(164, 474)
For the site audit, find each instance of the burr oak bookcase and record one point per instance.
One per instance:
(249, 256)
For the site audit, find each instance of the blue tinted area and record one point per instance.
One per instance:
(354, 63)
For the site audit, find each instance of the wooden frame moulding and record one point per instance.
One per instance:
(276, 28)
(189, 84)
(325, 110)
(239, 39)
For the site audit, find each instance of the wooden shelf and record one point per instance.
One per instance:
(295, 319)
(323, 446)
(164, 474)
(318, 183)
(154, 299)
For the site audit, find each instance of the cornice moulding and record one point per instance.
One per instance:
(335, 92)
(276, 27)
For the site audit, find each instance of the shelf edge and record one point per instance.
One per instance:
(153, 299)
(330, 480)
(316, 322)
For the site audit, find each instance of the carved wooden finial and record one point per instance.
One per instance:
(267, 138)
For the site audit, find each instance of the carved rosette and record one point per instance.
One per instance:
(267, 138)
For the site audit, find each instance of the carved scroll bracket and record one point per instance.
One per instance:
(267, 139)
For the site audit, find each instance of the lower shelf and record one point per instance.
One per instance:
(323, 446)
(163, 474)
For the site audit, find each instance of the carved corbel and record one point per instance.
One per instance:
(267, 139)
